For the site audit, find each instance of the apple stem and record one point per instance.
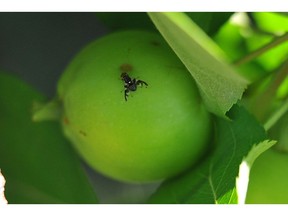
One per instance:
(48, 111)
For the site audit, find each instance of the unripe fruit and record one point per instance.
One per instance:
(268, 179)
(161, 129)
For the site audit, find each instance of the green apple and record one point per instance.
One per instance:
(268, 179)
(155, 131)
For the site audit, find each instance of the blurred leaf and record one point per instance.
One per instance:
(125, 20)
(271, 22)
(210, 22)
(232, 39)
(220, 86)
(282, 91)
(38, 163)
(214, 181)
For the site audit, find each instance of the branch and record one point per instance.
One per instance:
(277, 41)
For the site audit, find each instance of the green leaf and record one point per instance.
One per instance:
(220, 86)
(38, 163)
(214, 180)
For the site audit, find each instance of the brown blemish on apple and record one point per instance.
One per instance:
(126, 67)
(66, 121)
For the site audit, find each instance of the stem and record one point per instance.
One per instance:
(279, 78)
(49, 111)
(261, 104)
(276, 116)
(277, 41)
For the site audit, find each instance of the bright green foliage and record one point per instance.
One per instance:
(230, 38)
(38, 163)
(271, 22)
(245, 33)
(214, 181)
(268, 60)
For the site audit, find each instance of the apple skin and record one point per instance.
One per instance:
(268, 183)
(160, 131)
